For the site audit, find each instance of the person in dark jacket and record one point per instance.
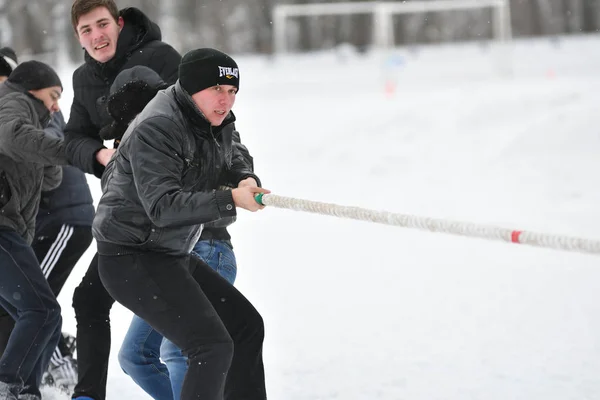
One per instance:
(62, 235)
(113, 40)
(150, 217)
(154, 363)
(29, 163)
(63, 232)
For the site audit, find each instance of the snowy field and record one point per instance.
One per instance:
(360, 311)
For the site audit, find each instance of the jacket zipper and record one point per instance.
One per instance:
(213, 136)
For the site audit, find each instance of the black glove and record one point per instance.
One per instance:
(115, 130)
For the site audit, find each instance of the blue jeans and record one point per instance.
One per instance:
(143, 347)
(27, 297)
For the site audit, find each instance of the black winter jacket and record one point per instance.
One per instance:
(161, 185)
(70, 203)
(28, 158)
(139, 43)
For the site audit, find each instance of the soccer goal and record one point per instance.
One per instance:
(383, 12)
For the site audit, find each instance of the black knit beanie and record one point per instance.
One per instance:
(34, 75)
(203, 68)
(8, 61)
(138, 73)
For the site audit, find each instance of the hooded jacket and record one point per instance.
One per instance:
(139, 43)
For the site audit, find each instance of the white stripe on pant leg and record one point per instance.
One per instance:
(48, 264)
(57, 357)
(55, 250)
(53, 255)
(69, 374)
(51, 250)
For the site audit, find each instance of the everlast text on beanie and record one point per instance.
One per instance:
(203, 68)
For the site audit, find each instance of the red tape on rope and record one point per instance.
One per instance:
(514, 236)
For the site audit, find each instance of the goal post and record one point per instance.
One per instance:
(383, 12)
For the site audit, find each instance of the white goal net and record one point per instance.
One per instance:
(383, 36)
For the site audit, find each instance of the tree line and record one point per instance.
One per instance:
(42, 28)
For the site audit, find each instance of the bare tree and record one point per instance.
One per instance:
(264, 25)
(151, 8)
(591, 15)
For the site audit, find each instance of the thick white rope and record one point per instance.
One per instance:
(435, 225)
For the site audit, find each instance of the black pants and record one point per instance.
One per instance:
(92, 305)
(57, 249)
(191, 305)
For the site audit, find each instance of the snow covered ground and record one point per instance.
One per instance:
(361, 311)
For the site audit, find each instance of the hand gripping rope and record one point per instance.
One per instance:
(559, 242)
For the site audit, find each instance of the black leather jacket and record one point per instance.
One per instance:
(162, 184)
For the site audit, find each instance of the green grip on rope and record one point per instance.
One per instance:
(259, 198)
